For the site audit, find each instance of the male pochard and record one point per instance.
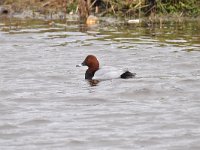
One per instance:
(107, 72)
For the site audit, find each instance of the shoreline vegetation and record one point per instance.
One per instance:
(82, 10)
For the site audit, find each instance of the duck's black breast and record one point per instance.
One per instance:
(89, 74)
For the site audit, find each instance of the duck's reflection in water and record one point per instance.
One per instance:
(93, 82)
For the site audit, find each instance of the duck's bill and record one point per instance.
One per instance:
(79, 65)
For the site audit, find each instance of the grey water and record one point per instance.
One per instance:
(46, 104)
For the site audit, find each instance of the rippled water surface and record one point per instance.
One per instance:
(46, 104)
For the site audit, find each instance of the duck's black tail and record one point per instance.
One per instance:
(127, 75)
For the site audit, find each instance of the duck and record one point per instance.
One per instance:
(95, 72)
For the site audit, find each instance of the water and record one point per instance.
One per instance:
(45, 103)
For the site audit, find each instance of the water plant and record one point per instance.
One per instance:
(183, 7)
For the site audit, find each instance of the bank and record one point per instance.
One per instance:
(132, 11)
